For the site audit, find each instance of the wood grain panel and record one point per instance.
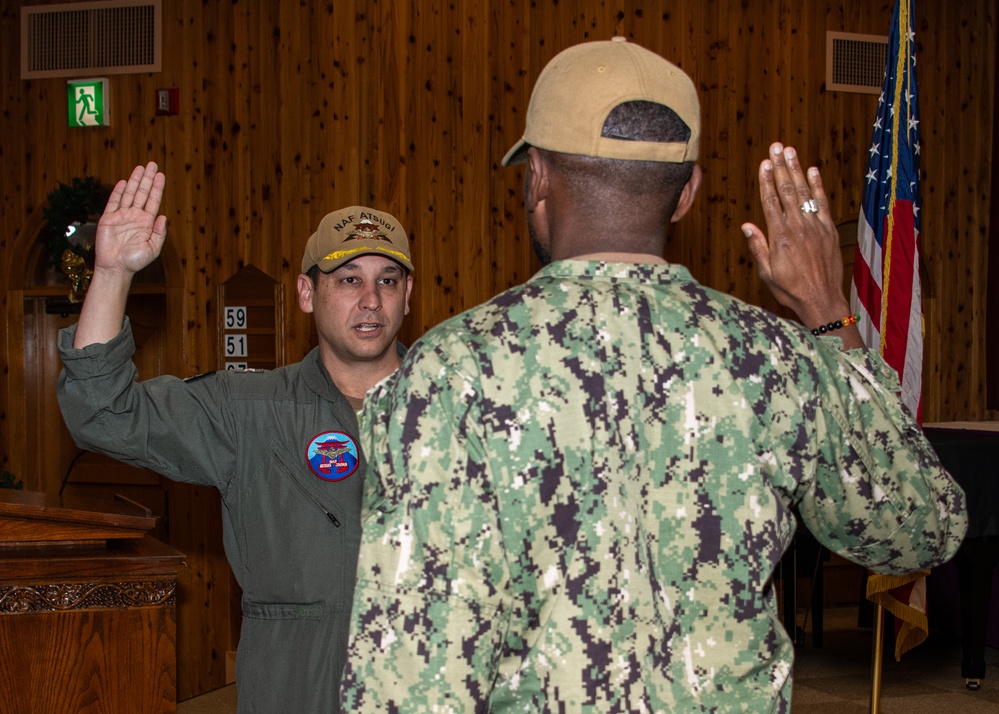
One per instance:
(58, 652)
(291, 110)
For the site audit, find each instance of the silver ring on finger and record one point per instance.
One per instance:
(810, 206)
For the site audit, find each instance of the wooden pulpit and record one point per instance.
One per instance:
(87, 607)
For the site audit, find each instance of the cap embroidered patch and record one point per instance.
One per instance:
(332, 455)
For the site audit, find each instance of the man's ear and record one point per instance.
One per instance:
(305, 290)
(409, 290)
(535, 180)
(687, 195)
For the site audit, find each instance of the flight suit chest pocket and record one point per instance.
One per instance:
(299, 534)
(318, 492)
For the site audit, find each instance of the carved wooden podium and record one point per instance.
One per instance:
(87, 607)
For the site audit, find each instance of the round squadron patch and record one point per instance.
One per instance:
(332, 455)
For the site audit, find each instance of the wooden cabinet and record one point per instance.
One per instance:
(87, 607)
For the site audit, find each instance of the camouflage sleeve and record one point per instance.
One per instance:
(430, 607)
(879, 495)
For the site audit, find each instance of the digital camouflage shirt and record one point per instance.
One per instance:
(578, 493)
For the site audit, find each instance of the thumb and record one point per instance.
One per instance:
(159, 229)
(758, 246)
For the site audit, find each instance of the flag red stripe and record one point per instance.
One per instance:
(868, 291)
(900, 286)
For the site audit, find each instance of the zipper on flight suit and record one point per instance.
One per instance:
(332, 519)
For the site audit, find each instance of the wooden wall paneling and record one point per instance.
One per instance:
(510, 82)
(942, 201)
(716, 221)
(305, 170)
(747, 144)
(961, 214)
(341, 146)
(975, 82)
(944, 217)
(367, 74)
(389, 160)
(49, 447)
(684, 44)
(939, 390)
(956, 104)
(269, 70)
(385, 84)
(936, 252)
(511, 79)
(430, 201)
(415, 157)
(983, 67)
(217, 73)
(13, 407)
(513, 76)
(287, 188)
(15, 417)
(241, 129)
(453, 290)
(36, 464)
(188, 202)
(841, 121)
(467, 93)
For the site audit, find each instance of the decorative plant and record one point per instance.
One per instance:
(78, 202)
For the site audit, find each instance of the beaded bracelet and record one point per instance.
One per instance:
(842, 322)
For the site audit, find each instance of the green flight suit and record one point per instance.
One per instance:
(291, 530)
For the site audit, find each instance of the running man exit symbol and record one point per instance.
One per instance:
(88, 102)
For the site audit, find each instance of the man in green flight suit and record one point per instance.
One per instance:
(578, 492)
(281, 446)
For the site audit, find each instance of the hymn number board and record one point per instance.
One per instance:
(250, 321)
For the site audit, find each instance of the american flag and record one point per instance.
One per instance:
(886, 291)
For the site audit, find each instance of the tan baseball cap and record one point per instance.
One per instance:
(580, 86)
(345, 234)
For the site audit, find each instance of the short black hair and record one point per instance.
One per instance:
(651, 185)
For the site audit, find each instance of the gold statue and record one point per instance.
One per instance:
(75, 268)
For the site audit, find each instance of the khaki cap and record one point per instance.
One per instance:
(350, 232)
(580, 86)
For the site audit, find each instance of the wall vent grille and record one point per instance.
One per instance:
(87, 38)
(855, 63)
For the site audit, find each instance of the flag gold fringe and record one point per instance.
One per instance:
(915, 627)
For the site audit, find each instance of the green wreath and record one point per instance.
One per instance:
(80, 201)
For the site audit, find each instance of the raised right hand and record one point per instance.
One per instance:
(130, 233)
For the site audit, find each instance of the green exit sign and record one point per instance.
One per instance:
(88, 102)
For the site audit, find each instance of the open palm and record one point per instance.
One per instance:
(130, 233)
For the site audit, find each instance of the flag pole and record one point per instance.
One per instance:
(887, 295)
(876, 654)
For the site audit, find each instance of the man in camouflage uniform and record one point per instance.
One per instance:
(280, 445)
(578, 492)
